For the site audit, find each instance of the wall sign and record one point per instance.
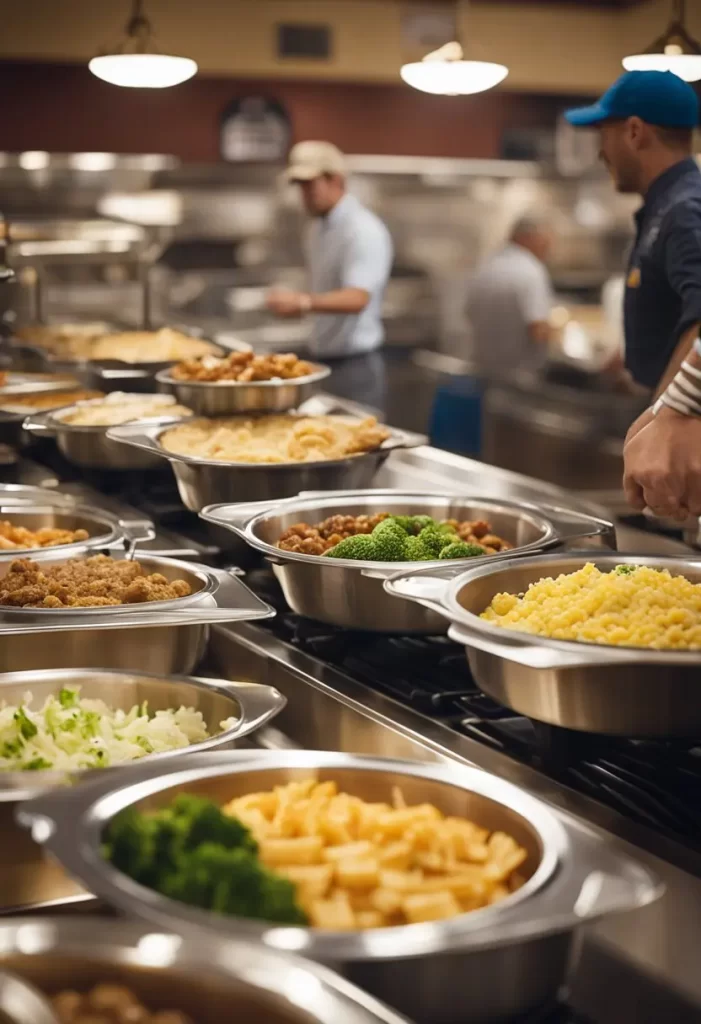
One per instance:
(255, 129)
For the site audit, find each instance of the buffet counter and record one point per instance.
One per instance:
(355, 700)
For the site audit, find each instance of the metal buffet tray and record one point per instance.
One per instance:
(524, 940)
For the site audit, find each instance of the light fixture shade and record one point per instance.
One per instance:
(453, 77)
(143, 70)
(685, 65)
(674, 50)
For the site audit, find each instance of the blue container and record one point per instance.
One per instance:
(456, 417)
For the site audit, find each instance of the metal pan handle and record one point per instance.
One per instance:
(571, 525)
(125, 435)
(259, 703)
(426, 588)
(38, 424)
(237, 515)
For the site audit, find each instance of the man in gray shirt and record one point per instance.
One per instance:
(349, 259)
(509, 303)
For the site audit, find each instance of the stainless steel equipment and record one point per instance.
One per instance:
(210, 982)
(228, 398)
(488, 965)
(12, 417)
(21, 1003)
(89, 446)
(104, 531)
(620, 691)
(104, 374)
(348, 592)
(158, 636)
(204, 482)
(28, 877)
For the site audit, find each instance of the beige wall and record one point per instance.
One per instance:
(553, 49)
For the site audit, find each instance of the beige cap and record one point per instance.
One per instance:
(309, 160)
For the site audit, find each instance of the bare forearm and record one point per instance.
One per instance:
(680, 353)
(342, 300)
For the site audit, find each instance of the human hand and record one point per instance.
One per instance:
(637, 425)
(285, 302)
(662, 465)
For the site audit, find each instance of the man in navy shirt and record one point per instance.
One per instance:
(646, 122)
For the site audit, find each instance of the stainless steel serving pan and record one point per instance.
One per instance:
(349, 593)
(230, 397)
(158, 636)
(28, 877)
(105, 374)
(213, 982)
(204, 482)
(489, 965)
(12, 420)
(89, 446)
(104, 530)
(621, 691)
(27, 494)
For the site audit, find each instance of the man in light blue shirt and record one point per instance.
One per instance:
(349, 256)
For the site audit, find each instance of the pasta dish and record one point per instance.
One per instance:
(274, 439)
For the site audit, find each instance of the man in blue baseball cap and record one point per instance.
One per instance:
(646, 122)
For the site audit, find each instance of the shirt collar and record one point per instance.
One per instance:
(668, 179)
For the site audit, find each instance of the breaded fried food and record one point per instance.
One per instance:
(12, 536)
(85, 583)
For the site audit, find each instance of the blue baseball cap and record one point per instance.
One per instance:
(658, 97)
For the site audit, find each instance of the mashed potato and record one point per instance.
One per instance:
(633, 606)
(274, 439)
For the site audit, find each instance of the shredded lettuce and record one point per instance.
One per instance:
(69, 732)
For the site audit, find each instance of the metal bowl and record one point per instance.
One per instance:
(211, 982)
(204, 482)
(89, 446)
(489, 965)
(12, 419)
(158, 636)
(621, 691)
(230, 397)
(349, 593)
(28, 876)
(104, 531)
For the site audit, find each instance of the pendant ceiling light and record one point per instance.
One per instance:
(445, 72)
(135, 62)
(674, 51)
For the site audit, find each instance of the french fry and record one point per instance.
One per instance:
(386, 901)
(357, 873)
(312, 880)
(365, 919)
(348, 851)
(437, 906)
(301, 850)
(358, 865)
(402, 881)
(397, 856)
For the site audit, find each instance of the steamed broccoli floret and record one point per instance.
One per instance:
(361, 547)
(420, 522)
(389, 540)
(405, 522)
(193, 852)
(461, 550)
(418, 551)
(435, 539)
